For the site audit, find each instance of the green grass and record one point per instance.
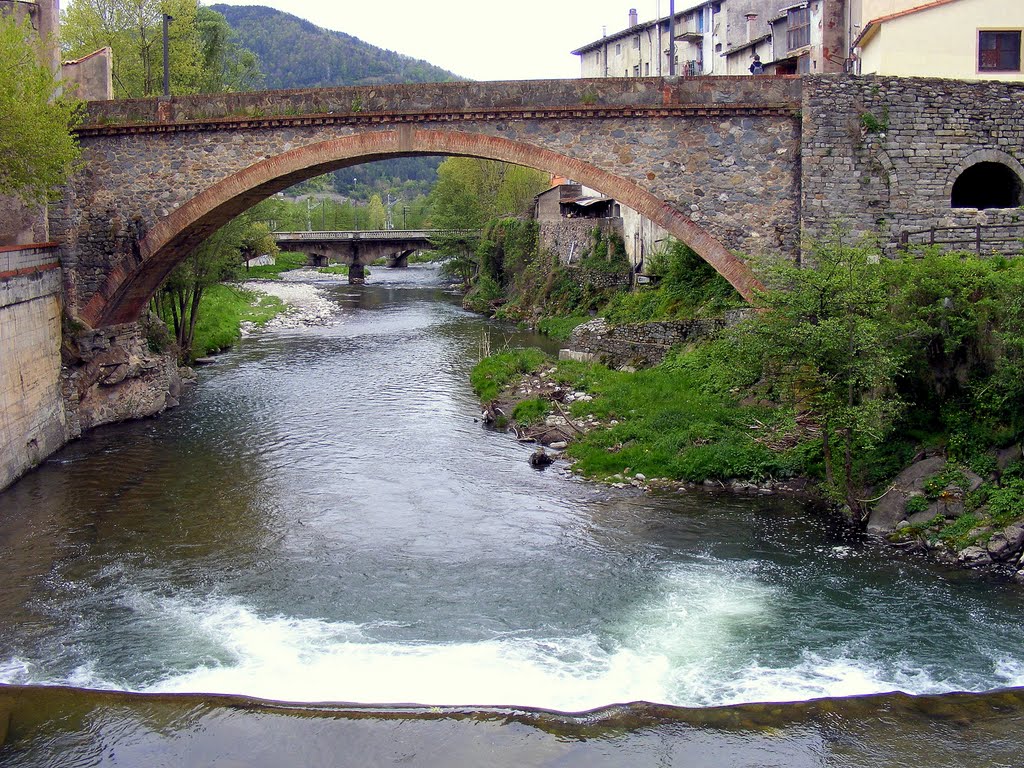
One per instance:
(561, 327)
(493, 373)
(285, 260)
(668, 427)
(957, 533)
(530, 412)
(222, 310)
(337, 269)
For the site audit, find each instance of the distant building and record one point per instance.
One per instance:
(962, 39)
(712, 37)
(811, 37)
(568, 213)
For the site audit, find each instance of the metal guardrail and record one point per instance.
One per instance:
(373, 234)
(982, 239)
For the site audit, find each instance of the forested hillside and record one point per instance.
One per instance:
(297, 54)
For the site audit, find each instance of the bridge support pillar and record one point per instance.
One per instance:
(356, 274)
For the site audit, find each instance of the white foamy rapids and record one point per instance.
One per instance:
(16, 671)
(292, 659)
(696, 640)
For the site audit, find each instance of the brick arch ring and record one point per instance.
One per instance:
(126, 292)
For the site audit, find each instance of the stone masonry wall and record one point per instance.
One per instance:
(881, 153)
(571, 238)
(52, 388)
(33, 423)
(639, 344)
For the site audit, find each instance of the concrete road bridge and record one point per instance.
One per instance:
(360, 248)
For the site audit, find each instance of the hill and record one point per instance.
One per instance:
(295, 53)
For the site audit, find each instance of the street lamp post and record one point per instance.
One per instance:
(167, 61)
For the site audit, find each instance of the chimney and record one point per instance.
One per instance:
(633, 21)
(751, 21)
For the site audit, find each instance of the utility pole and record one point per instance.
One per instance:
(167, 61)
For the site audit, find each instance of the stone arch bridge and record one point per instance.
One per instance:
(733, 166)
(715, 162)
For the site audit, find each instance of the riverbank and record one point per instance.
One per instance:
(662, 430)
(303, 303)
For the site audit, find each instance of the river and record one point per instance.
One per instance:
(324, 519)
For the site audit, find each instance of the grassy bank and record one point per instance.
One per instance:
(854, 372)
(669, 422)
(222, 310)
(285, 261)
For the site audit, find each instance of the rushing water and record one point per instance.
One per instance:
(323, 519)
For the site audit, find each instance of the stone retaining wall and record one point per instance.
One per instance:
(639, 344)
(33, 423)
(52, 388)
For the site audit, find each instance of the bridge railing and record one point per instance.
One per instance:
(982, 239)
(372, 234)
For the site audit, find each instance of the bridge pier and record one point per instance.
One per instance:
(356, 274)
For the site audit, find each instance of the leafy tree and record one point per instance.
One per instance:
(469, 193)
(217, 258)
(37, 149)
(376, 214)
(963, 331)
(227, 65)
(203, 53)
(825, 341)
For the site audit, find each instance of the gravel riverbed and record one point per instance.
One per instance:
(306, 302)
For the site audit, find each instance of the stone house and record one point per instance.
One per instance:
(568, 213)
(961, 39)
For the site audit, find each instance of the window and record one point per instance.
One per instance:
(647, 69)
(636, 42)
(636, 71)
(798, 28)
(999, 51)
(597, 57)
(618, 49)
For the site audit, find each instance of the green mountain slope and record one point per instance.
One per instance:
(295, 53)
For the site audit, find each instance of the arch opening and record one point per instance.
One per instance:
(987, 185)
(170, 239)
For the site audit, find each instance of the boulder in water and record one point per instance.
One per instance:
(540, 458)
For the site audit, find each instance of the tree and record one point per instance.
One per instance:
(227, 66)
(217, 258)
(825, 341)
(202, 53)
(376, 214)
(37, 148)
(471, 191)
